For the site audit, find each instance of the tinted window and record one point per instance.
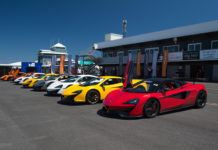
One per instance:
(112, 81)
(72, 79)
(39, 77)
(93, 81)
(84, 79)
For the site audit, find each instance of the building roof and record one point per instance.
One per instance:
(14, 64)
(59, 45)
(43, 51)
(206, 27)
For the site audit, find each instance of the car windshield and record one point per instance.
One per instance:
(139, 88)
(72, 79)
(51, 77)
(39, 77)
(94, 81)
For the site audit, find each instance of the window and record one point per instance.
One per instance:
(214, 44)
(133, 52)
(112, 81)
(171, 48)
(120, 52)
(151, 50)
(84, 79)
(109, 54)
(194, 47)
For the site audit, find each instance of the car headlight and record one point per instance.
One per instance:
(59, 86)
(133, 101)
(30, 81)
(68, 86)
(78, 92)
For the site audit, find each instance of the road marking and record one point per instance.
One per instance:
(211, 93)
(213, 104)
(212, 89)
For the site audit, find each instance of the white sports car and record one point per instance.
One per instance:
(22, 79)
(43, 84)
(58, 86)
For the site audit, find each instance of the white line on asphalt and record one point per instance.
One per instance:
(212, 89)
(211, 93)
(213, 104)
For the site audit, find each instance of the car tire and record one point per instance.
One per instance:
(151, 108)
(201, 99)
(92, 97)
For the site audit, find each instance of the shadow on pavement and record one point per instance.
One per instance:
(177, 111)
(37, 90)
(115, 116)
(68, 103)
(52, 95)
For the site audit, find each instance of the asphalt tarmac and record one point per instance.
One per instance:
(30, 120)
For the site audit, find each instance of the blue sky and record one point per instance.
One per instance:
(29, 25)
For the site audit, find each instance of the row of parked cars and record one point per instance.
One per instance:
(125, 97)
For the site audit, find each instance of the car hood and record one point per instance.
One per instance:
(40, 82)
(118, 97)
(55, 84)
(28, 80)
(71, 89)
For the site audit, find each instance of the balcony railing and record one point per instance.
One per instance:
(211, 54)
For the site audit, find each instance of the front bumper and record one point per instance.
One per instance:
(121, 111)
(25, 85)
(37, 88)
(60, 91)
(68, 99)
(44, 87)
(52, 92)
(17, 82)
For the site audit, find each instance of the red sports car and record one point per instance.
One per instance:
(160, 95)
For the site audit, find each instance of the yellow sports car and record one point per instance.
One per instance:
(94, 90)
(30, 82)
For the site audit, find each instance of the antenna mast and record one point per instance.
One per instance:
(124, 27)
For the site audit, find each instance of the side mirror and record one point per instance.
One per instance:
(162, 91)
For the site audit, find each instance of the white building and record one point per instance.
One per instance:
(45, 56)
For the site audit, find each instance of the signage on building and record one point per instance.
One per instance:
(138, 64)
(164, 63)
(174, 56)
(190, 55)
(211, 54)
(25, 65)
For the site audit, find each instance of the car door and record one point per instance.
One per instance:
(110, 85)
(174, 96)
